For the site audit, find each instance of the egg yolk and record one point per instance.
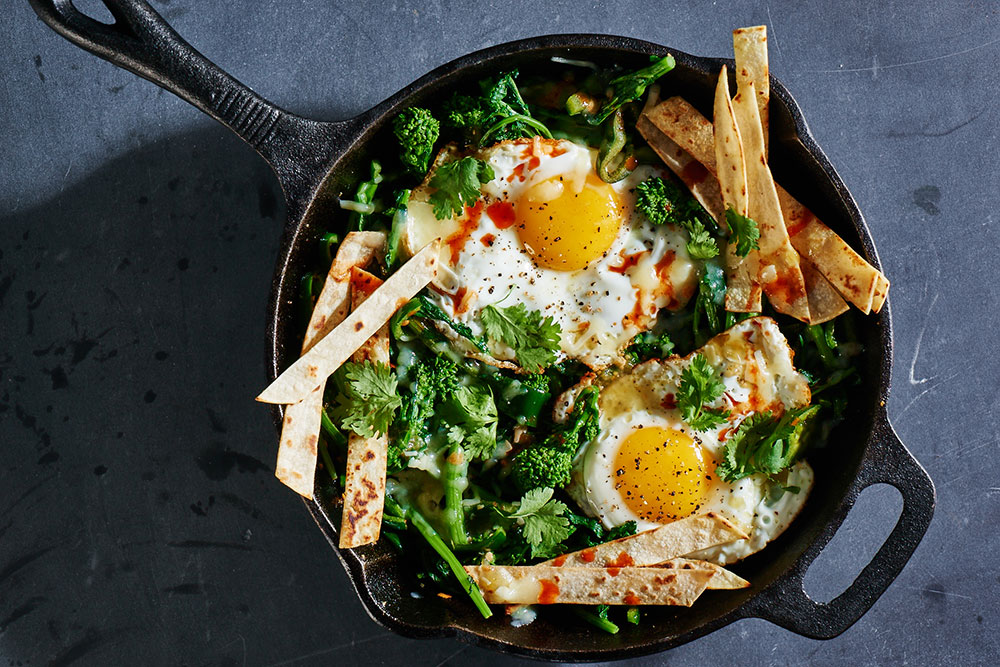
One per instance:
(661, 475)
(566, 230)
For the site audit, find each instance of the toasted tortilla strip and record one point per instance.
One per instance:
(685, 125)
(845, 269)
(723, 579)
(778, 272)
(544, 584)
(729, 155)
(364, 484)
(326, 356)
(825, 303)
(750, 48)
(656, 546)
(881, 292)
(296, 465)
(743, 292)
(703, 185)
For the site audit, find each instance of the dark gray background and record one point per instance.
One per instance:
(139, 520)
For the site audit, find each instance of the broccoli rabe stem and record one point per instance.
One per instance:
(595, 620)
(426, 530)
(455, 480)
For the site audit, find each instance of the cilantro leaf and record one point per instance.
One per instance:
(457, 185)
(743, 232)
(533, 338)
(701, 245)
(369, 398)
(763, 444)
(700, 385)
(546, 522)
(469, 416)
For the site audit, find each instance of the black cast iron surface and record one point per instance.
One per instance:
(87, 555)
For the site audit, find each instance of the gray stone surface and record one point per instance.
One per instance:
(139, 521)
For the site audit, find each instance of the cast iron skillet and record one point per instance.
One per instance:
(314, 161)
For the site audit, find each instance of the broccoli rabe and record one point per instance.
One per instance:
(433, 381)
(417, 130)
(663, 201)
(542, 467)
(622, 90)
(497, 114)
(548, 463)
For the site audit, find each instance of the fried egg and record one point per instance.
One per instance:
(649, 466)
(549, 234)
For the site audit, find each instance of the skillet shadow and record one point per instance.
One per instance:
(139, 515)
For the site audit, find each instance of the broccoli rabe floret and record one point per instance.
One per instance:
(661, 201)
(584, 422)
(499, 113)
(417, 130)
(542, 467)
(465, 113)
(432, 382)
(548, 463)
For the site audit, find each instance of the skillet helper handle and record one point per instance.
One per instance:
(786, 602)
(141, 41)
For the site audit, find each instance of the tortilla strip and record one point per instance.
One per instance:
(779, 271)
(542, 584)
(743, 293)
(854, 278)
(881, 292)
(656, 546)
(750, 48)
(724, 580)
(296, 466)
(364, 483)
(326, 356)
(845, 269)
(825, 303)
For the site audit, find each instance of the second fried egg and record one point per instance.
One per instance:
(649, 466)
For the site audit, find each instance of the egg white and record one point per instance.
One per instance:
(598, 309)
(755, 363)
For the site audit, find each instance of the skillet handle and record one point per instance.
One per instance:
(141, 41)
(786, 603)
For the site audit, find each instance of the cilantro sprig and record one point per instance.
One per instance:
(764, 444)
(369, 398)
(533, 338)
(701, 245)
(700, 385)
(457, 185)
(546, 522)
(743, 232)
(470, 416)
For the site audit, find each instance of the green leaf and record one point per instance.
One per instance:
(763, 444)
(546, 522)
(699, 386)
(469, 416)
(457, 185)
(369, 400)
(701, 245)
(743, 232)
(534, 339)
